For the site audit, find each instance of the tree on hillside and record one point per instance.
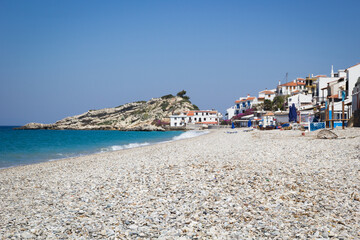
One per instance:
(181, 93)
(267, 105)
(279, 103)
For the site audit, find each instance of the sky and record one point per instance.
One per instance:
(63, 58)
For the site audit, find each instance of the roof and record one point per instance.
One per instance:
(261, 98)
(301, 79)
(269, 114)
(292, 84)
(267, 92)
(320, 76)
(192, 113)
(353, 66)
(245, 99)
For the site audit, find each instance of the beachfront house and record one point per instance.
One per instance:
(230, 113)
(299, 100)
(322, 83)
(352, 76)
(244, 104)
(207, 117)
(356, 96)
(268, 119)
(281, 116)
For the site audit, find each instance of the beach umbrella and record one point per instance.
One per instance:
(294, 114)
(249, 123)
(290, 114)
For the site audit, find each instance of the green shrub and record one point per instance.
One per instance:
(164, 105)
(167, 96)
(145, 117)
(186, 98)
(195, 107)
(181, 93)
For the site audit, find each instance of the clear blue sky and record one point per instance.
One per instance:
(62, 58)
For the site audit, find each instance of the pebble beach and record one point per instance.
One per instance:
(245, 185)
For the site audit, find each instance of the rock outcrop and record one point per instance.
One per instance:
(326, 134)
(152, 115)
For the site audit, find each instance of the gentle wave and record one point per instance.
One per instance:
(63, 155)
(185, 135)
(127, 146)
(190, 134)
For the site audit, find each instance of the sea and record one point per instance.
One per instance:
(22, 147)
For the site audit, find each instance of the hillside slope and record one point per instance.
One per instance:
(136, 116)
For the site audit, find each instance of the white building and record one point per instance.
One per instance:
(244, 104)
(267, 95)
(356, 97)
(268, 119)
(208, 117)
(322, 84)
(290, 87)
(300, 100)
(230, 113)
(352, 75)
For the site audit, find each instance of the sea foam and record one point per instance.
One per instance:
(190, 134)
(185, 135)
(127, 146)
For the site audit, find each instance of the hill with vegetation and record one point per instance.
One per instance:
(151, 115)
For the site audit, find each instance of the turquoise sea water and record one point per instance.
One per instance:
(21, 147)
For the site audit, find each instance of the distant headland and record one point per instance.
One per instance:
(151, 115)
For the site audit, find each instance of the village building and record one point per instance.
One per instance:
(300, 99)
(268, 119)
(230, 113)
(244, 104)
(356, 96)
(290, 87)
(281, 116)
(352, 76)
(266, 95)
(207, 117)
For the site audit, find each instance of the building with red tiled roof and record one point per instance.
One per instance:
(289, 87)
(207, 117)
(267, 94)
(242, 104)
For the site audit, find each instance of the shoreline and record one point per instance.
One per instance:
(259, 184)
(139, 145)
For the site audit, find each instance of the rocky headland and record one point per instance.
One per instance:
(152, 115)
